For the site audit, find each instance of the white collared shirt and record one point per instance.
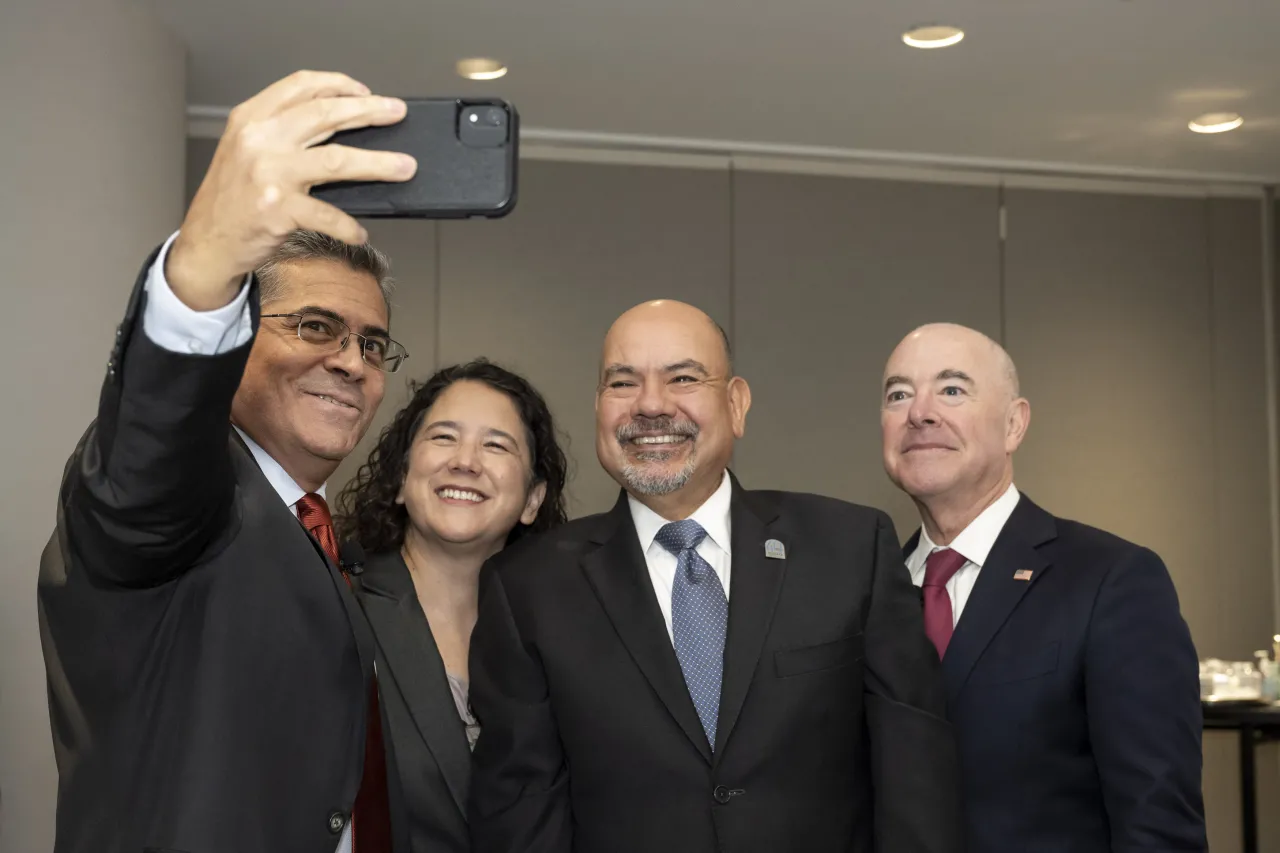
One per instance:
(974, 543)
(288, 490)
(713, 515)
(169, 323)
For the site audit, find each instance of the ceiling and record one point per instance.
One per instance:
(1097, 83)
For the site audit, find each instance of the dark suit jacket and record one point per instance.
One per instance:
(207, 665)
(831, 734)
(1075, 697)
(424, 733)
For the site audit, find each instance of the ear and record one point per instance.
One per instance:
(739, 403)
(533, 502)
(1016, 424)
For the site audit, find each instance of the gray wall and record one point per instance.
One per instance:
(1135, 321)
(91, 166)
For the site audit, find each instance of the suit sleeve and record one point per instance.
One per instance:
(520, 784)
(913, 754)
(1142, 693)
(150, 485)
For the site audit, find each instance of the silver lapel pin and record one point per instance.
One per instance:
(775, 550)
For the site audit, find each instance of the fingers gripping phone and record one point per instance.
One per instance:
(466, 150)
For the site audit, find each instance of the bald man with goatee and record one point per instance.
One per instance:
(1072, 682)
(703, 668)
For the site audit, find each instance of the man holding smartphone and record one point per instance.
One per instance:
(210, 676)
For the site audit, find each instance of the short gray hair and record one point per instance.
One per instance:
(314, 246)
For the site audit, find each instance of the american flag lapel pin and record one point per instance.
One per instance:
(1022, 575)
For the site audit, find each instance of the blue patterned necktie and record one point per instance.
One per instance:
(699, 620)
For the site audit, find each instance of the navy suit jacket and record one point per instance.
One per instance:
(1075, 697)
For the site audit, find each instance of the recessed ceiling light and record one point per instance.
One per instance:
(1215, 122)
(479, 68)
(933, 36)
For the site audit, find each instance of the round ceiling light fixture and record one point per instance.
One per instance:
(933, 36)
(1216, 122)
(480, 68)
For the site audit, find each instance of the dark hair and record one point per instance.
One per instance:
(313, 246)
(368, 511)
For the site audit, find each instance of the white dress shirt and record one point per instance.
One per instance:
(974, 543)
(169, 323)
(713, 515)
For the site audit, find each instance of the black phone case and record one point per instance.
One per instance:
(454, 180)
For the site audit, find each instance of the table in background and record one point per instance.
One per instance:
(1256, 724)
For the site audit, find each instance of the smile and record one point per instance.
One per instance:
(335, 401)
(659, 439)
(454, 494)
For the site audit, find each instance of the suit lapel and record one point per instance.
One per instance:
(272, 503)
(412, 662)
(754, 582)
(997, 592)
(618, 573)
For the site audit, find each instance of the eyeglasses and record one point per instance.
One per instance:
(320, 330)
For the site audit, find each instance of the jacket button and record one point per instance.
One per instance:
(721, 794)
(337, 821)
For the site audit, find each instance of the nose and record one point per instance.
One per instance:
(466, 457)
(653, 401)
(921, 413)
(347, 359)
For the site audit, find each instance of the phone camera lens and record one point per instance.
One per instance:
(496, 117)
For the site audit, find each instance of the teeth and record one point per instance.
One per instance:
(461, 495)
(659, 439)
(331, 400)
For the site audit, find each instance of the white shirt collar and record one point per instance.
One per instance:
(289, 491)
(713, 515)
(976, 541)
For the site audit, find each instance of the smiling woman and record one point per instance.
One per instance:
(470, 465)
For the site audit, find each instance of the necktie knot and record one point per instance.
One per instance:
(941, 566)
(313, 511)
(314, 515)
(681, 536)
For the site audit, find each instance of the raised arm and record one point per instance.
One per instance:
(913, 753)
(150, 486)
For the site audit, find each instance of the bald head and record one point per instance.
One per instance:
(983, 352)
(668, 407)
(951, 416)
(669, 314)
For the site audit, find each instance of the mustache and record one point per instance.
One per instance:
(666, 425)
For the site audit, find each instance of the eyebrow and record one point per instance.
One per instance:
(618, 370)
(689, 364)
(367, 331)
(454, 425)
(949, 373)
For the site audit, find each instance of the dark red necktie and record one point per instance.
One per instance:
(939, 620)
(371, 820)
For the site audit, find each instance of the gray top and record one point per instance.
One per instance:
(459, 688)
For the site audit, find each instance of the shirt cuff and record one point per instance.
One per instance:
(170, 324)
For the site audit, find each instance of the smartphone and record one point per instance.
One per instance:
(466, 150)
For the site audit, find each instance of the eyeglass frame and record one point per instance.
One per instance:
(297, 330)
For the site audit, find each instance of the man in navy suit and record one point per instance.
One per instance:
(1072, 681)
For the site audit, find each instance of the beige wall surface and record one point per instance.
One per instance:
(91, 180)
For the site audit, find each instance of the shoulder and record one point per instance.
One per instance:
(1105, 560)
(1086, 543)
(818, 510)
(563, 543)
